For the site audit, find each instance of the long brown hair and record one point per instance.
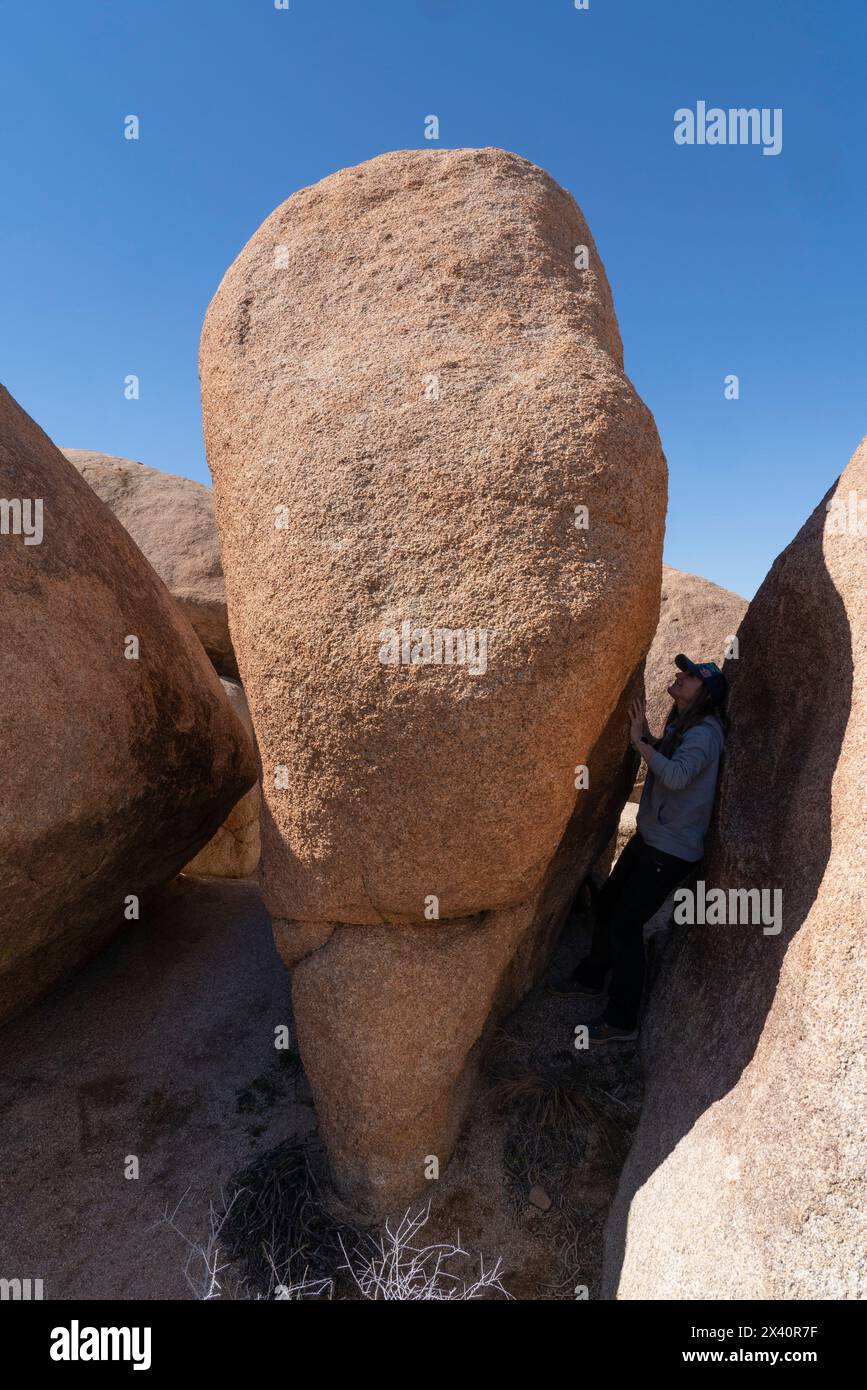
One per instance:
(676, 725)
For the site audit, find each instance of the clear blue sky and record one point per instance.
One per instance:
(722, 260)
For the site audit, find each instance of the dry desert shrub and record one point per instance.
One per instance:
(273, 1237)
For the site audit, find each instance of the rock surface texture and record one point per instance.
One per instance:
(116, 770)
(171, 520)
(412, 377)
(234, 850)
(746, 1178)
(696, 617)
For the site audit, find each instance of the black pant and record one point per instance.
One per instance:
(640, 882)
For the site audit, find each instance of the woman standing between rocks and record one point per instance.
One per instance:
(673, 817)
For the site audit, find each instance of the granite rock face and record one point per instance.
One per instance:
(746, 1177)
(393, 1021)
(171, 520)
(369, 528)
(121, 753)
(440, 504)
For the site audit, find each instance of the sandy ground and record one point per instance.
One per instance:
(163, 1048)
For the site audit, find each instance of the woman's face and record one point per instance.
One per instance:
(684, 688)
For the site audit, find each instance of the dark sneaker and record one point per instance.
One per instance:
(575, 985)
(600, 1033)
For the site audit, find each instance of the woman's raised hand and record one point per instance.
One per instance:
(638, 726)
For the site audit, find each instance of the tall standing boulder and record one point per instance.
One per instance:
(121, 753)
(440, 504)
(746, 1178)
(171, 520)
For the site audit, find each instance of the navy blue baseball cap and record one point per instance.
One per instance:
(707, 671)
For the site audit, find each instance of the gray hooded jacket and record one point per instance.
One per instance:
(677, 801)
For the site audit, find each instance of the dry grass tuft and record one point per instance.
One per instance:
(274, 1238)
(276, 1228)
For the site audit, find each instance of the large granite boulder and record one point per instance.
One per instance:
(746, 1178)
(171, 520)
(412, 382)
(121, 753)
(351, 503)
